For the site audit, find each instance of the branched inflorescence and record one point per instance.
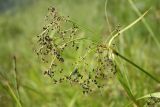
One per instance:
(91, 70)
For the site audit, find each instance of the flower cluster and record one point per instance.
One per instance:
(152, 102)
(60, 35)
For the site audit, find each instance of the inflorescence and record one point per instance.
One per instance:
(152, 102)
(60, 34)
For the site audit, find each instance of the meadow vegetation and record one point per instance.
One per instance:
(81, 53)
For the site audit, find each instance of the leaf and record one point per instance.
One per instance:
(156, 94)
(127, 27)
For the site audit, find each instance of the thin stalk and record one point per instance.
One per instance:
(13, 95)
(106, 16)
(135, 65)
(16, 78)
(145, 23)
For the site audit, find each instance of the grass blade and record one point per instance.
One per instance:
(156, 95)
(13, 95)
(135, 65)
(127, 27)
(126, 87)
(145, 23)
(106, 16)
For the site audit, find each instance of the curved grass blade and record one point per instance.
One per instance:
(145, 23)
(127, 27)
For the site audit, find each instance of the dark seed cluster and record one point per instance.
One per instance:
(152, 102)
(59, 35)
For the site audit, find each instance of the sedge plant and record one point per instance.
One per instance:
(90, 66)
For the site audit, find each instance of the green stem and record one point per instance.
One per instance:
(135, 65)
(13, 95)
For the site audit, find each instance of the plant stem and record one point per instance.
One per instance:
(13, 95)
(135, 65)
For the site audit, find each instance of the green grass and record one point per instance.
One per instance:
(139, 44)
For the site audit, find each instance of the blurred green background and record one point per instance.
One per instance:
(22, 20)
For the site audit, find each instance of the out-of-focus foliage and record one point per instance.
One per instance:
(22, 20)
